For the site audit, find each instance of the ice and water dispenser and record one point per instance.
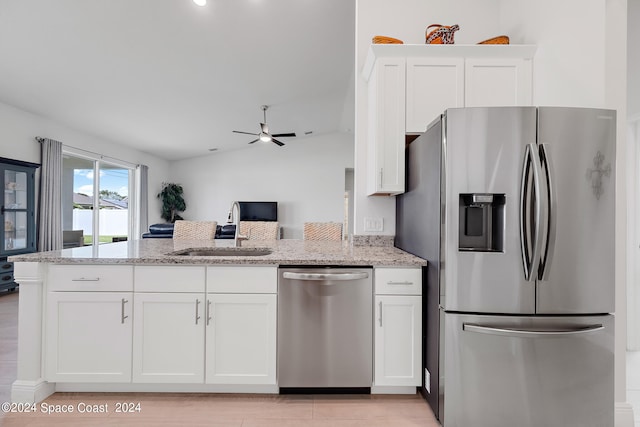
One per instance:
(481, 226)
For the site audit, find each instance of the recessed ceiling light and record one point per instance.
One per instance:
(200, 2)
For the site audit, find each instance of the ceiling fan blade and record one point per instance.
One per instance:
(246, 133)
(275, 141)
(255, 140)
(264, 127)
(284, 135)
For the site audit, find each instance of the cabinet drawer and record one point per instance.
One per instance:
(90, 278)
(398, 281)
(161, 278)
(241, 280)
(5, 267)
(6, 277)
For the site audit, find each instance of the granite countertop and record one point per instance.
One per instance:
(284, 252)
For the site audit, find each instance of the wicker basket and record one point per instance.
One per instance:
(385, 40)
(496, 40)
(322, 231)
(440, 34)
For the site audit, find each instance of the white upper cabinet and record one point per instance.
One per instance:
(497, 82)
(410, 85)
(386, 129)
(433, 85)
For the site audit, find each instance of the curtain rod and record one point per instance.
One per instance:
(102, 156)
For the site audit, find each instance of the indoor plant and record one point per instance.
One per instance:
(172, 201)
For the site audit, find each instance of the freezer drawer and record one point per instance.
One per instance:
(528, 371)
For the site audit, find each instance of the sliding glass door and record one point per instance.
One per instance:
(95, 200)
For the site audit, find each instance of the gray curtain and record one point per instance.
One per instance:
(50, 212)
(143, 200)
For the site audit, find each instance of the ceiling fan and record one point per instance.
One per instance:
(264, 134)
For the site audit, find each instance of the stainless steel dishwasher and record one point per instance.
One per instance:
(325, 328)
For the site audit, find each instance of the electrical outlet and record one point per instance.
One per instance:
(373, 224)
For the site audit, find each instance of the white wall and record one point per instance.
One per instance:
(569, 66)
(18, 129)
(306, 178)
(615, 78)
(633, 59)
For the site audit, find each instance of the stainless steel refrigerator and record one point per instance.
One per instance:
(513, 207)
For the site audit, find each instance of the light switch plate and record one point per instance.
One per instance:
(373, 224)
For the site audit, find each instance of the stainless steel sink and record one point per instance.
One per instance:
(223, 252)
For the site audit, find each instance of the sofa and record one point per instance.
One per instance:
(165, 231)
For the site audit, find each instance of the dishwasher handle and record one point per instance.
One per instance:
(357, 275)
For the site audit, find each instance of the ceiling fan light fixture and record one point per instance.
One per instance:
(265, 137)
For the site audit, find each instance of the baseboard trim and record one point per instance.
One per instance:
(624, 415)
(381, 389)
(166, 388)
(31, 391)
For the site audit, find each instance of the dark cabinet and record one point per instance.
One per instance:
(18, 232)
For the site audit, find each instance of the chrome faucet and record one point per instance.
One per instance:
(233, 218)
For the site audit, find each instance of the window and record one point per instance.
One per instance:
(96, 198)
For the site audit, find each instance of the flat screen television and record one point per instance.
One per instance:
(258, 211)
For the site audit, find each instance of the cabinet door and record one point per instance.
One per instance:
(168, 338)
(88, 337)
(433, 85)
(386, 127)
(398, 342)
(17, 235)
(497, 82)
(241, 339)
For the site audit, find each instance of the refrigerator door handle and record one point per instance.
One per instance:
(537, 224)
(552, 210)
(529, 333)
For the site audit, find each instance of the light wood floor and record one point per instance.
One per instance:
(175, 409)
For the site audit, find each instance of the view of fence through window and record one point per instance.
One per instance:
(95, 199)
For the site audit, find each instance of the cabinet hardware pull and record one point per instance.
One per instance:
(85, 279)
(208, 312)
(381, 182)
(197, 309)
(406, 282)
(380, 319)
(124, 301)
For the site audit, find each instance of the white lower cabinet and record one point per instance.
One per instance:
(213, 337)
(88, 337)
(168, 337)
(398, 327)
(398, 340)
(241, 339)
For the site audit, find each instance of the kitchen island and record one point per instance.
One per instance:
(285, 251)
(157, 315)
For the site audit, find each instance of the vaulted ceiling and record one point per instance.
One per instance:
(174, 79)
